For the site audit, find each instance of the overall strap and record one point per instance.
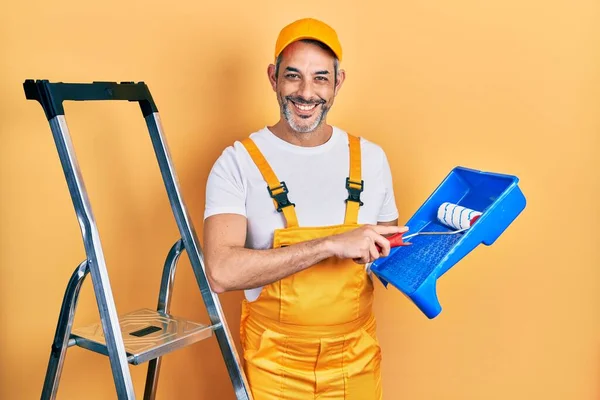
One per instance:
(278, 190)
(354, 182)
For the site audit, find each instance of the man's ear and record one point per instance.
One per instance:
(341, 77)
(271, 74)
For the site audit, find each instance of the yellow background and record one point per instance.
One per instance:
(507, 86)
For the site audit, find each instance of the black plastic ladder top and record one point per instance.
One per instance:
(52, 95)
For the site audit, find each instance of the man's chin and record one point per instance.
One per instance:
(304, 125)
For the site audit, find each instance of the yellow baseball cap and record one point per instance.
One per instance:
(308, 28)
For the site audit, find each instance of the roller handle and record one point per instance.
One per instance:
(395, 241)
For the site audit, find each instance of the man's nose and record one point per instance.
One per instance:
(306, 89)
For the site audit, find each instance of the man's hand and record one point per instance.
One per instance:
(360, 244)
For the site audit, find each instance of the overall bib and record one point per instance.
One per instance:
(312, 335)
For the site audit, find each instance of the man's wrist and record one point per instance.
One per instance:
(326, 247)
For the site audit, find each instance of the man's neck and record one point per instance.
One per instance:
(310, 139)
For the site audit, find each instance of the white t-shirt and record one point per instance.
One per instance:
(315, 178)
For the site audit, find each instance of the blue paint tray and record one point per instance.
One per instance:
(414, 269)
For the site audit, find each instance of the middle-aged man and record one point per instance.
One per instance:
(293, 213)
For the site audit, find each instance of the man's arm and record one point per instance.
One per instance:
(231, 266)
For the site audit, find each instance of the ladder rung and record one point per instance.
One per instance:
(147, 334)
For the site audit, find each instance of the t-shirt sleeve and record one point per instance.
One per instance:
(389, 210)
(225, 187)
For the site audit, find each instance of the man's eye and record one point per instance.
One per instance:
(292, 76)
(321, 78)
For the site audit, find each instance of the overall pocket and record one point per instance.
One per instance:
(363, 375)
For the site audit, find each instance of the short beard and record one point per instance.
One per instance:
(289, 117)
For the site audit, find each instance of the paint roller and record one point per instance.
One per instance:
(451, 215)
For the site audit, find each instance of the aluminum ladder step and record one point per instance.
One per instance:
(147, 334)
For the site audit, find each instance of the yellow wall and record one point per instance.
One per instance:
(509, 86)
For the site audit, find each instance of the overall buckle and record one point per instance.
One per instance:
(353, 192)
(280, 198)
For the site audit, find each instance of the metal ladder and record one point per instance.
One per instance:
(144, 335)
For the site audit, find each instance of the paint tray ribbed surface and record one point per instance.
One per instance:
(494, 198)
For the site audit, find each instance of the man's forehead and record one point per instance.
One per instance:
(306, 54)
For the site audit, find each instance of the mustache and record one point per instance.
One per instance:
(301, 100)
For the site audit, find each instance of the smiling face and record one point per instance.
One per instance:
(306, 81)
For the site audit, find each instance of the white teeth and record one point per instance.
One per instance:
(305, 107)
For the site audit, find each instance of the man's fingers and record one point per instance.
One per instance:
(365, 249)
(389, 230)
(374, 253)
(372, 243)
(363, 259)
(383, 243)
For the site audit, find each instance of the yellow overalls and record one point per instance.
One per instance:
(312, 335)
